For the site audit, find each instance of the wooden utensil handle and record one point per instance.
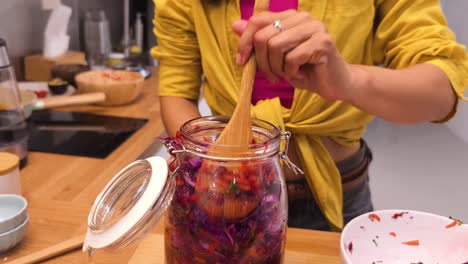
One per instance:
(73, 100)
(50, 252)
(250, 68)
(248, 79)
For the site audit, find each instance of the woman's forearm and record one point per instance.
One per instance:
(421, 93)
(175, 111)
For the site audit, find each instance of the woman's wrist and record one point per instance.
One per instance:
(360, 84)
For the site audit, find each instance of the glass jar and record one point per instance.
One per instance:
(219, 207)
(13, 127)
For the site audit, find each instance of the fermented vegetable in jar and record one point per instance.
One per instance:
(219, 207)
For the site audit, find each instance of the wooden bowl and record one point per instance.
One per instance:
(121, 87)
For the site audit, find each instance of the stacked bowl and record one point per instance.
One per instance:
(13, 220)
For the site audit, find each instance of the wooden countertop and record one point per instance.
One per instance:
(302, 246)
(60, 190)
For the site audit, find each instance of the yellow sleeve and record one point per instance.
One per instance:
(410, 32)
(177, 49)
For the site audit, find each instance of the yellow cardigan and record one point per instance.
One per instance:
(196, 39)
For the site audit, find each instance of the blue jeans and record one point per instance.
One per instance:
(304, 211)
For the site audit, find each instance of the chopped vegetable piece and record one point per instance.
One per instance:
(180, 182)
(411, 243)
(393, 234)
(350, 247)
(234, 215)
(374, 217)
(233, 187)
(398, 215)
(194, 197)
(453, 224)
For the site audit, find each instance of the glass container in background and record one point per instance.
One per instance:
(97, 38)
(10, 182)
(139, 31)
(13, 128)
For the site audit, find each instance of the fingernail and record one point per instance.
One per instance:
(239, 23)
(323, 60)
(244, 58)
(246, 55)
(238, 59)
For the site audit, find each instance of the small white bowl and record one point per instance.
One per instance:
(13, 237)
(12, 211)
(403, 236)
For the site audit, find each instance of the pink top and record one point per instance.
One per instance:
(264, 89)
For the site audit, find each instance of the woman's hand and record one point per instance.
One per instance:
(300, 51)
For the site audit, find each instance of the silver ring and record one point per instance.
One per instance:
(277, 25)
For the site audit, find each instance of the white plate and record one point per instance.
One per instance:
(391, 236)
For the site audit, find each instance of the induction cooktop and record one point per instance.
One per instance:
(79, 134)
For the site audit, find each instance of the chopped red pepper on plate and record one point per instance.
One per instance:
(393, 234)
(374, 217)
(350, 247)
(411, 243)
(455, 222)
(398, 215)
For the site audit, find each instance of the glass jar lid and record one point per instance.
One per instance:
(8, 163)
(130, 205)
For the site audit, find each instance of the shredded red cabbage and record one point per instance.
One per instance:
(197, 235)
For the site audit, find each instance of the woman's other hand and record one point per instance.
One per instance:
(293, 46)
